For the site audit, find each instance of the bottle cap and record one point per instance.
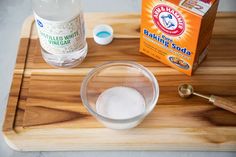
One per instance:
(103, 34)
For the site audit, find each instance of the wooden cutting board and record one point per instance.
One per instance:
(45, 113)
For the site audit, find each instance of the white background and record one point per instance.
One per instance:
(12, 15)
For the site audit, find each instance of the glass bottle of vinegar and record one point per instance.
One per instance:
(61, 31)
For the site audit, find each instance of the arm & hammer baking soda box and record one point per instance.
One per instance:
(177, 32)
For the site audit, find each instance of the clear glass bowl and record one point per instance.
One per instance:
(119, 74)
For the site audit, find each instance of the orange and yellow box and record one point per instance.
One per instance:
(177, 32)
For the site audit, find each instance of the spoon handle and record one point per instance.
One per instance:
(223, 103)
(200, 95)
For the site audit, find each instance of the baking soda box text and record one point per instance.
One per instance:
(177, 32)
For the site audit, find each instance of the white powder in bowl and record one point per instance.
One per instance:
(120, 103)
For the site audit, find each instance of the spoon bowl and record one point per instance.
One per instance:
(185, 90)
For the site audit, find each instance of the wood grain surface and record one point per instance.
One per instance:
(45, 111)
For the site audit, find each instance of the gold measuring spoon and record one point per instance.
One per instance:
(186, 90)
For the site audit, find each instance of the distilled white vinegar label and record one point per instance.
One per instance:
(61, 37)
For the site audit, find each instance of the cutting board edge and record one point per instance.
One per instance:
(67, 143)
(9, 118)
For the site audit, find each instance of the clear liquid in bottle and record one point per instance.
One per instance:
(61, 31)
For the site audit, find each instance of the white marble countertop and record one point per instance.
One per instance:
(12, 15)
